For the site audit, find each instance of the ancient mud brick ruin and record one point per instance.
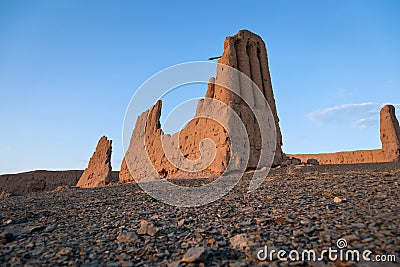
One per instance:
(245, 52)
(204, 147)
(390, 138)
(390, 133)
(98, 171)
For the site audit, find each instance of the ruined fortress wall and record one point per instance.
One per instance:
(99, 170)
(348, 157)
(247, 53)
(390, 138)
(390, 133)
(204, 144)
(37, 181)
(185, 146)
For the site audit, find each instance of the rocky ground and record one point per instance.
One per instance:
(296, 208)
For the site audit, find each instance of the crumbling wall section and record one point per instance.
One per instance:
(390, 151)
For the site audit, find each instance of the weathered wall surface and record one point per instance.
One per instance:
(390, 133)
(390, 138)
(350, 157)
(148, 140)
(247, 53)
(204, 144)
(98, 171)
(37, 181)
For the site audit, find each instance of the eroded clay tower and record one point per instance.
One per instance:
(152, 152)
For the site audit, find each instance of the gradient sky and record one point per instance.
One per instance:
(68, 69)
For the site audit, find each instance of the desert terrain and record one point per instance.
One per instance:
(304, 207)
(345, 201)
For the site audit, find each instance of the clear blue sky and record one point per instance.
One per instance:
(69, 68)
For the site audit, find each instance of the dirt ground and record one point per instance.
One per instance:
(307, 208)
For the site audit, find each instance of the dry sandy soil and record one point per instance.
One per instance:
(293, 209)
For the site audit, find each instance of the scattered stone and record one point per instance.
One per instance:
(4, 194)
(358, 225)
(127, 237)
(35, 228)
(6, 237)
(62, 188)
(64, 252)
(51, 228)
(194, 254)
(95, 226)
(269, 197)
(342, 227)
(222, 243)
(113, 264)
(261, 221)
(147, 228)
(17, 231)
(351, 238)
(381, 196)
(181, 222)
(241, 241)
(305, 221)
(295, 161)
(337, 200)
(174, 264)
(309, 231)
(312, 161)
(297, 233)
(237, 264)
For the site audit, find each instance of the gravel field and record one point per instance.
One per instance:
(295, 209)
